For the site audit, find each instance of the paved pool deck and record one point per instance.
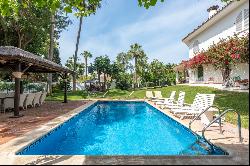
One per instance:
(238, 152)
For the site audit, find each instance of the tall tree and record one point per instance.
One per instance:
(123, 60)
(86, 8)
(136, 52)
(51, 50)
(79, 66)
(75, 56)
(102, 66)
(86, 55)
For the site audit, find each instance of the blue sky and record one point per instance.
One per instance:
(120, 23)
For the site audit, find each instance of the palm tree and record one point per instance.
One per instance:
(75, 56)
(122, 60)
(136, 53)
(87, 7)
(86, 55)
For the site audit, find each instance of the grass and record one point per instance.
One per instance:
(223, 99)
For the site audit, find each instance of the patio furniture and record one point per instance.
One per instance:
(173, 104)
(166, 100)
(2, 97)
(157, 96)
(9, 102)
(29, 100)
(149, 95)
(42, 98)
(36, 101)
(200, 103)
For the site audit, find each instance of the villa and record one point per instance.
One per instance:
(125, 110)
(221, 23)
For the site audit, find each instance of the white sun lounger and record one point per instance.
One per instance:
(166, 100)
(200, 103)
(173, 104)
(149, 95)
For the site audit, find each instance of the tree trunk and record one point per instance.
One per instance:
(226, 74)
(51, 49)
(104, 82)
(75, 57)
(20, 38)
(86, 70)
(99, 77)
(135, 72)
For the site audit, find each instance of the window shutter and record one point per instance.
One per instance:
(239, 22)
(246, 18)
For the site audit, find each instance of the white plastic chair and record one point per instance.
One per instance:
(29, 100)
(36, 101)
(2, 97)
(200, 103)
(165, 100)
(149, 95)
(158, 95)
(22, 100)
(10, 94)
(9, 102)
(43, 97)
(171, 103)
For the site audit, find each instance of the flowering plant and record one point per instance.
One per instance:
(223, 55)
(244, 82)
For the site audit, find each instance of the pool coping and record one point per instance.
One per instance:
(8, 150)
(19, 143)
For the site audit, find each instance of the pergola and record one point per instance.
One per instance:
(19, 62)
(180, 69)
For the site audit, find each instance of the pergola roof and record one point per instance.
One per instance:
(180, 67)
(10, 56)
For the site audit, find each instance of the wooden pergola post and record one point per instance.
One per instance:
(65, 88)
(17, 91)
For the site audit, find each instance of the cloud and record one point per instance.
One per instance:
(159, 31)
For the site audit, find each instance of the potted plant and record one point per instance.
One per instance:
(244, 84)
(211, 80)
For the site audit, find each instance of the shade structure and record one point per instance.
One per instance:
(19, 62)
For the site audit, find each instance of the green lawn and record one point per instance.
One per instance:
(235, 100)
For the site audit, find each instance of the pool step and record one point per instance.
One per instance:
(198, 148)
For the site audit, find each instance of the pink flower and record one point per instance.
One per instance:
(233, 56)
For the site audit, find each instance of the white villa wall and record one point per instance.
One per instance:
(241, 70)
(209, 71)
(221, 29)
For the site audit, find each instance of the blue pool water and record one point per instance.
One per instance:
(119, 128)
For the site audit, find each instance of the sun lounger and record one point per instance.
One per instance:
(173, 104)
(149, 95)
(200, 103)
(165, 100)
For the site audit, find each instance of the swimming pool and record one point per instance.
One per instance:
(120, 128)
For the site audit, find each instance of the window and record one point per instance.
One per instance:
(246, 18)
(239, 22)
(200, 73)
(196, 48)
